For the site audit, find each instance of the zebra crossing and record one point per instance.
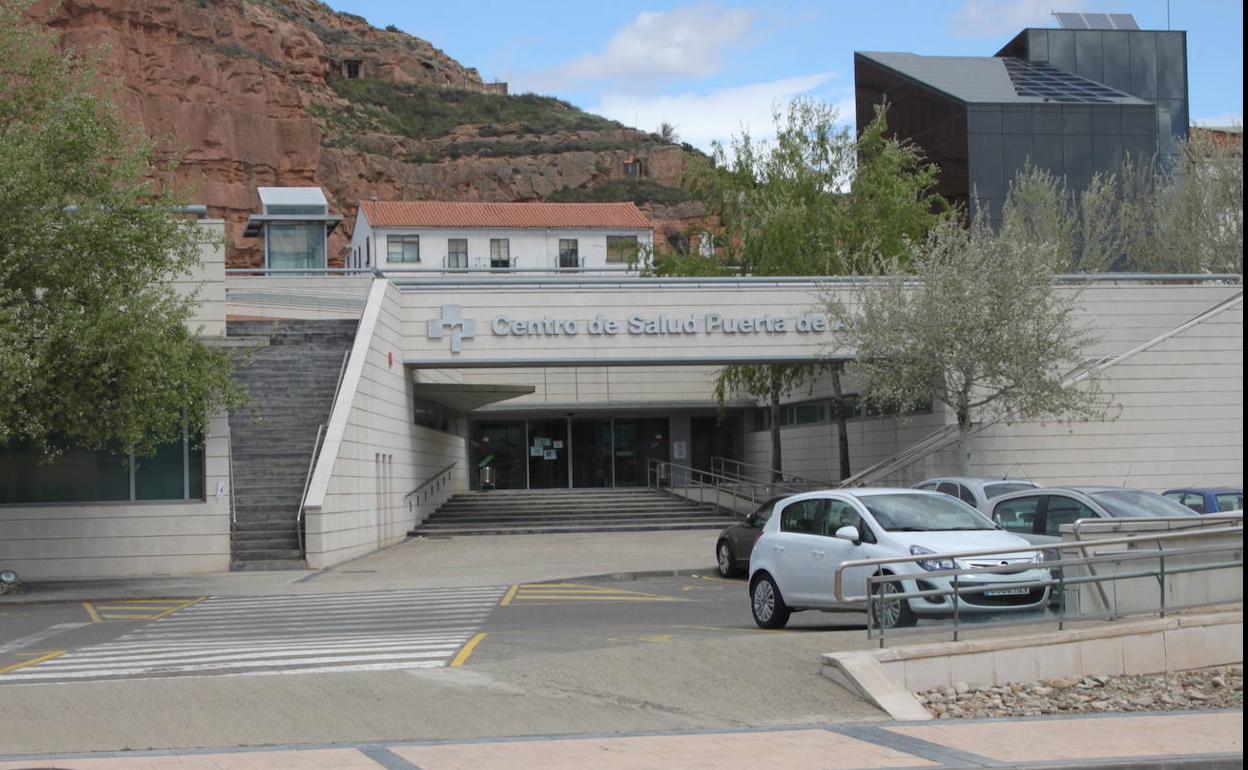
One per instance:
(323, 633)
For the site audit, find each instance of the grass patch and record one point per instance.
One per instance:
(620, 190)
(427, 112)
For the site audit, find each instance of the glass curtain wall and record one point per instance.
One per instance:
(296, 246)
(499, 445)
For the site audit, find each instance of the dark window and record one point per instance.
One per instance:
(403, 249)
(431, 414)
(966, 496)
(1018, 515)
(174, 472)
(352, 69)
(1194, 501)
(840, 514)
(500, 253)
(457, 253)
(1064, 510)
(948, 488)
(1230, 501)
(632, 169)
(569, 253)
(996, 490)
(802, 516)
(621, 249)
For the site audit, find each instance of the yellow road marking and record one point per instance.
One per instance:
(182, 606)
(511, 594)
(466, 650)
(532, 593)
(31, 662)
(641, 638)
(720, 580)
(137, 609)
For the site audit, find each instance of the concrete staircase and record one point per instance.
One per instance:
(541, 512)
(291, 380)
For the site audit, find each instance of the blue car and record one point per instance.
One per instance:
(1209, 499)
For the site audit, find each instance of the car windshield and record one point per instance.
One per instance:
(996, 490)
(1134, 503)
(923, 513)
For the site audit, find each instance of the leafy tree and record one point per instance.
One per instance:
(1184, 215)
(667, 133)
(95, 352)
(815, 201)
(977, 322)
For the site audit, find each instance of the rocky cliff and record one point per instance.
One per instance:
(247, 93)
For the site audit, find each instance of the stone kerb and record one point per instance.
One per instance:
(889, 678)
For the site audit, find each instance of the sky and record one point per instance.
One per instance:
(715, 68)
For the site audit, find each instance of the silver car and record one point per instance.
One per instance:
(1038, 514)
(976, 492)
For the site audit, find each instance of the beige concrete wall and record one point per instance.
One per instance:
(114, 539)
(93, 540)
(373, 454)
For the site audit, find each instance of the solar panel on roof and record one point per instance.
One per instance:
(1097, 21)
(1071, 20)
(1123, 21)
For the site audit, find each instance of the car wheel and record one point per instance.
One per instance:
(895, 613)
(725, 560)
(768, 606)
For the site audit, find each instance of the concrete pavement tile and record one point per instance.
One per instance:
(1056, 740)
(310, 759)
(782, 750)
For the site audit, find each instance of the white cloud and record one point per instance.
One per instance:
(685, 42)
(1229, 119)
(701, 118)
(992, 18)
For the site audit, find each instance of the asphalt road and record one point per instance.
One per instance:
(529, 659)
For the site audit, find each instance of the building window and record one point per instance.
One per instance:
(431, 414)
(457, 253)
(632, 168)
(500, 253)
(403, 249)
(351, 68)
(569, 254)
(621, 249)
(295, 246)
(174, 472)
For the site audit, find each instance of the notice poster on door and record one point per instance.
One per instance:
(535, 450)
(678, 450)
(552, 454)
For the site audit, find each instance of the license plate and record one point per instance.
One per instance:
(1008, 592)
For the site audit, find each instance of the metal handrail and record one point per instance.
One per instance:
(785, 477)
(316, 447)
(229, 458)
(1029, 548)
(425, 486)
(657, 470)
(307, 482)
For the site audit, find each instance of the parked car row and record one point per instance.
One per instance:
(792, 546)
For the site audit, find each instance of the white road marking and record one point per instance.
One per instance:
(39, 636)
(296, 634)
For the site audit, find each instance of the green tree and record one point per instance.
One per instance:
(95, 352)
(814, 201)
(977, 322)
(1183, 215)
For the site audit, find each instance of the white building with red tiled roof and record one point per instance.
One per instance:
(445, 235)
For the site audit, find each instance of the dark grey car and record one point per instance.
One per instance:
(732, 549)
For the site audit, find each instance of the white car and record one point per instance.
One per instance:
(794, 562)
(977, 492)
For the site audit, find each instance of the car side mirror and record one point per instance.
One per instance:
(751, 520)
(850, 534)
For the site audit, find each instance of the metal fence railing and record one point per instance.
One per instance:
(729, 492)
(1094, 578)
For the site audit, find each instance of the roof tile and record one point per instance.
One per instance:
(504, 215)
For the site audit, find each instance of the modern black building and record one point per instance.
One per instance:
(1074, 101)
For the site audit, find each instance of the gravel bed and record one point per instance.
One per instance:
(1212, 688)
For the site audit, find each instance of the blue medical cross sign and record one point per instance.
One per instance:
(452, 321)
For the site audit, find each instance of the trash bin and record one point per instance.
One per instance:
(487, 477)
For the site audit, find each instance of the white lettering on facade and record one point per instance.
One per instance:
(645, 325)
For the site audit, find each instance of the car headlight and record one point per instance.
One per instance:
(931, 565)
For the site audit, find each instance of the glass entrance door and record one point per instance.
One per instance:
(498, 445)
(591, 453)
(548, 454)
(637, 442)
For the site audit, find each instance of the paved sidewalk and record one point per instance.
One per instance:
(1201, 739)
(423, 563)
